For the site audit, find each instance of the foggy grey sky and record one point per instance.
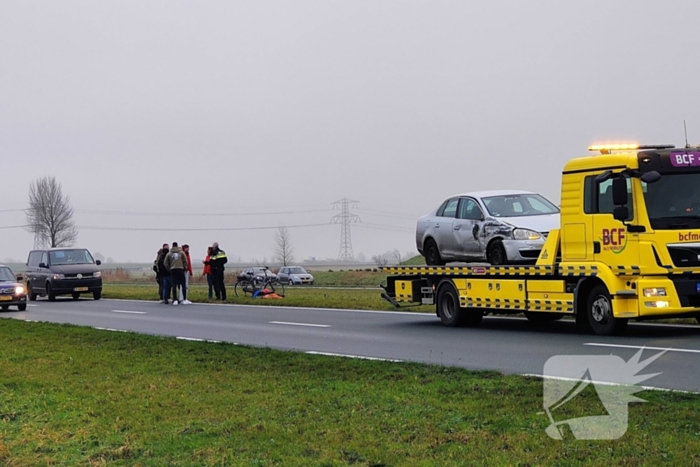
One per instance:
(275, 106)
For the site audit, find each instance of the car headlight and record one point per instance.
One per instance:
(526, 234)
(58, 276)
(19, 290)
(97, 274)
(655, 292)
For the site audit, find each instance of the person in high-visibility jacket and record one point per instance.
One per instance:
(217, 261)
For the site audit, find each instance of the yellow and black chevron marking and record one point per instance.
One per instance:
(561, 306)
(627, 270)
(471, 270)
(578, 270)
(497, 303)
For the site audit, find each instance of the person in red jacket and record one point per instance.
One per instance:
(206, 270)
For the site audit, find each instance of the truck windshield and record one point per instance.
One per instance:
(62, 257)
(673, 202)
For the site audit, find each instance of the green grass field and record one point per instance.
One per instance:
(82, 397)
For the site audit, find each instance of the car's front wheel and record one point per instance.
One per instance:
(497, 253)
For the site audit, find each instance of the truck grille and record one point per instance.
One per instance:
(685, 256)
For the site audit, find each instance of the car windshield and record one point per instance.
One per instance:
(63, 257)
(527, 204)
(6, 275)
(673, 202)
(297, 271)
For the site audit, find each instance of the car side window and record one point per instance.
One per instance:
(451, 208)
(469, 209)
(33, 260)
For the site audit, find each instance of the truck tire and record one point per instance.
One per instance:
(432, 253)
(497, 253)
(600, 313)
(451, 314)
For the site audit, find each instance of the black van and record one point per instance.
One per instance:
(63, 271)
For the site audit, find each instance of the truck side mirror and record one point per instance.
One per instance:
(619, 191)
(621, 213)
(651, 177)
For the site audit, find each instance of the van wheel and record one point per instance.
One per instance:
(4, 307)
(75, 295)
(451, 314)
(49, 293)
(432, 253)
(22, 307)
(600, 313)
(97, 294)
(497, 253)
(30, 292)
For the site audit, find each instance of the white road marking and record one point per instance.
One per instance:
(607, 383)
(301, 324)
(622, 346)
(110, 329)
(197, 339)
(130, 312)
(331, 354)
(29, 304)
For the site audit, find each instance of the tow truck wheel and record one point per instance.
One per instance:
(451, 314)
(432, 253)
(600, 313)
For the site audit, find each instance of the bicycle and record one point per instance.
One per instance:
(247, 285)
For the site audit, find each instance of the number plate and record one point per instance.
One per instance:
(80, 289)
(6, 298)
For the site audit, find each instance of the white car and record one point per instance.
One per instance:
(500, 227)
(294, 275)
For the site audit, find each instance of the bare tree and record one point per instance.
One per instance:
(380, 260)
(284, 251)
(50, 216)
(397, 255)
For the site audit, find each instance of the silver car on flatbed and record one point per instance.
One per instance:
(500, 227)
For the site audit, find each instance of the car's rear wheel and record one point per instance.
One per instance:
(5, 307)
(497, 253)
(432, 253)
(22, 307)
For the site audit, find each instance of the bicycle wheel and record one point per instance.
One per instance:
(275, 287)
(243, 288)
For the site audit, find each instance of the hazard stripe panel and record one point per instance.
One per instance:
(471, 270)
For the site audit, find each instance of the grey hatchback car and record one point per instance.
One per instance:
(63, 271)
(500, 227)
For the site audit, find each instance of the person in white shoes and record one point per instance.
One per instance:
(176, 262)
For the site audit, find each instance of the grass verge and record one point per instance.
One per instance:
(78, 396)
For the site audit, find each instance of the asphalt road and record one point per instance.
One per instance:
(509, 345)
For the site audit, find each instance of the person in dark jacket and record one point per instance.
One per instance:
(176, 263)
(164, 273)
(217, 261)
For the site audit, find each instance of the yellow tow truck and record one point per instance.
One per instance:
(628, 247)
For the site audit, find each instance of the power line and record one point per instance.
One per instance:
(14, 227)
(195, 214)
(195, 229)
(345, 218)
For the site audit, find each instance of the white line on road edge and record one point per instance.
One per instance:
(29, 304)
(607, 383)
(110, 329)
(330, 354)
(129, 311)
(197, 339)
(301, 324)
(622, 346)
